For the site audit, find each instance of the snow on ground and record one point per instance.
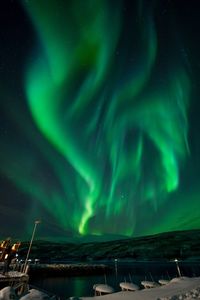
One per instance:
(177, 289)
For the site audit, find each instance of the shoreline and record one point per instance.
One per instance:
(78, 269)
(184, 288)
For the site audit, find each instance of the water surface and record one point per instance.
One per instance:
(120, 271)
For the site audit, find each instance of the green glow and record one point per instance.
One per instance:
(113, 137)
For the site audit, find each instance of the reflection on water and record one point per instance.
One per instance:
(120, 271)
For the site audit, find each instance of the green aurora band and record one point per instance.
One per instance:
(113, 138)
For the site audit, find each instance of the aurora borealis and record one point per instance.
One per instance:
(99, 117)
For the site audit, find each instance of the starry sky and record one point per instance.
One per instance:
(99, 117)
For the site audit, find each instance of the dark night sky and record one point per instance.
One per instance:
(99, 117)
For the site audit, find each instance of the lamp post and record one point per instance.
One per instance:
(30, 245)
(177, 266)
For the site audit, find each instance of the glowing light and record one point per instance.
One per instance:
(66, 95)
(109, 121)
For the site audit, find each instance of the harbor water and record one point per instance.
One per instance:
(130, 271)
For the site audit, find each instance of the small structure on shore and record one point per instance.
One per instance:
(102, 289)
(8, 251)
(7, 248)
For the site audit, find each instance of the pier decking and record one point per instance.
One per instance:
(13, 277)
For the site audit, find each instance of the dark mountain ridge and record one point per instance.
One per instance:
(183, 245)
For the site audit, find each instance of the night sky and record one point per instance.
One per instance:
(99, 117)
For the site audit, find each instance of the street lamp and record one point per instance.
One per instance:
(177, 266)
(30, 245)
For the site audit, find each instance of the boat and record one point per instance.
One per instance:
(149, 284)
(128, 286)
(163, 281)
(102, 289)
